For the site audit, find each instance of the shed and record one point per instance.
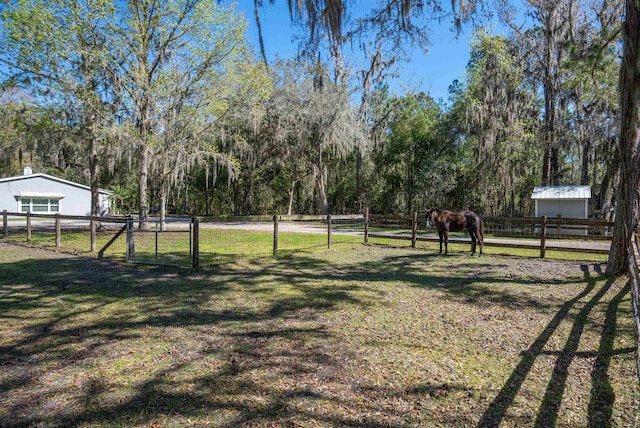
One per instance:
(45, 194)
(564, 201)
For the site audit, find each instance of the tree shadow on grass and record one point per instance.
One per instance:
(52, 305)
(234, 342)
(602, 398)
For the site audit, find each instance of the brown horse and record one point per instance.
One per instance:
(445, 221)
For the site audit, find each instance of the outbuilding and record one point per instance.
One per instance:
(564, 201)
(45, 194)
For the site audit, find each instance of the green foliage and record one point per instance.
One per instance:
(172, 89)
(497, 115)
(415, 160)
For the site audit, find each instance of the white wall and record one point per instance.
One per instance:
(76, 200)
(567, 208)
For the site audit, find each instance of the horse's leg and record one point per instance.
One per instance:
(440, 235)
(473, 242)
(446, 242)
(481, 242)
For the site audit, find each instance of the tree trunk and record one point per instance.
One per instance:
(235, 197)
(553, 28)
(207, 196)
(321, 186)
(549, 124)
(410, 183)
(94, 173)
(163, 204)
(602, 199)
(555, 166)
(291, 193)
(359, 192)
(627, 208)
(586, 148)
(584, 169)
(142, 185)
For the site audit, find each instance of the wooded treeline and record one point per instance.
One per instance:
(166, 104)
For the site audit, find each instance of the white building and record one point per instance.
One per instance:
(46, 194)
(565, 201)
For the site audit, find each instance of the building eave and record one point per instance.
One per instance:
(52, 178)
(565, 193)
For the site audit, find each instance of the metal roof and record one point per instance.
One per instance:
(561, 192)
(52, 178)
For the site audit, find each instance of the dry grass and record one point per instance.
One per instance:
(354, 336)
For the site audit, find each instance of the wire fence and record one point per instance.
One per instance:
(536, 233)
(201, 241)
(73, 234)
(160, 242)
(184, 241)
(223, 239)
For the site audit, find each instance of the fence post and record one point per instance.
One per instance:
(329, 231)
(634, 273)
(5, 224)
(275, 235)
(155, 232)
(366, 225)
(196, 242)
(414, 229)
(558, 225)
(58, 231)
(28, 226)
(131, 246)
(93, 235)
(543, 236)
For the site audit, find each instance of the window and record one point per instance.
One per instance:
(40, 205)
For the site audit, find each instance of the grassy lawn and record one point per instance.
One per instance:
(219, 246)
(349, 336)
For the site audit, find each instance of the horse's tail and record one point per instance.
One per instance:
(481, 229)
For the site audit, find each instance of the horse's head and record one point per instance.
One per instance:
(429, 216)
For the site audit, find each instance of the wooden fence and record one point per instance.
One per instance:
(402, 227)
(634, 274)
(541, 229)
(57, 219)
(322, 223)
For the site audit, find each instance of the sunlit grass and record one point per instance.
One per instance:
(227, 245)
(355, 335)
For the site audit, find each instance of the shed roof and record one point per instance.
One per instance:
(561, 192)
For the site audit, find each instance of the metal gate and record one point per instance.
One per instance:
(160, 242)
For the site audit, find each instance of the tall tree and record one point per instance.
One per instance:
(53, 48)
(165, 57)
(556, 18)
(499, 119)
(413, 156)
(590, 83)
(628, 200)
(312, 122)
(383, 35)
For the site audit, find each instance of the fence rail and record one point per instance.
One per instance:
(542, 229)
(546, 232)
(518, 227)
(634, 274)
(54, 221)
(161, 242)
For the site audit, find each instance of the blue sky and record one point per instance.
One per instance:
(431, 72)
